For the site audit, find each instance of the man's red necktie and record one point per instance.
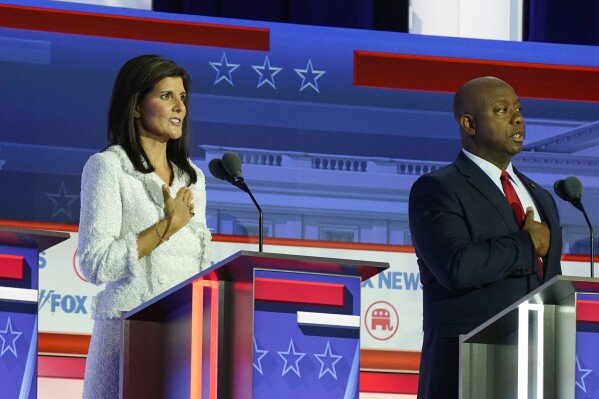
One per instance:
(514, 201)
(512, 197)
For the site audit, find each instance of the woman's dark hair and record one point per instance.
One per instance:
(136, 78)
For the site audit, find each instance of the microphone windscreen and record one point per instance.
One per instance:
(573, 188)
(558, 187)
(232, 164)
(216, 169)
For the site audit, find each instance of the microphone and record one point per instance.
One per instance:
(570, 190)
(558, 187)
(217, 170)
(232, 164)
(229, 168)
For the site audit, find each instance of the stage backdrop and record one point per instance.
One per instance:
(333, 126)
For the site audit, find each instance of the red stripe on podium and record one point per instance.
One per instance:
(301, 292)
(12, 267)
(134, 28)
(63, 344)
(587, 311)
(392, 383)
(61, 367)
(446, 74)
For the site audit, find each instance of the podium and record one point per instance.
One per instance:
(544, 346)
(255, 325)
(19, 260)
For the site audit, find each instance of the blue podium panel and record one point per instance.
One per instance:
(19, 258)
(306, 335)
(587, 342)
(18, 348)
(18, 318)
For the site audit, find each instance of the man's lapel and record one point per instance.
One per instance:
(481, 182)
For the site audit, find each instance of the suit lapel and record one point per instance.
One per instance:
(535, 194)
(481, 182)
(543, 206)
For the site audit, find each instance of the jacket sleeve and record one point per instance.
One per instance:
(198, 223)
(459, 246)
(106, 253)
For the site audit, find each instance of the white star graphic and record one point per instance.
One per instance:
(62, 201)
(291, 353)
(224, 70)
(8, 331)
(267, 73)
(309, 76)
(258, 355)
(328, 356)
(584, 373)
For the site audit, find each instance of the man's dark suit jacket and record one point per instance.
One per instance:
(474, 261)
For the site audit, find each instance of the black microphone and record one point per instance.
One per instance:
(573, 188)
(217, 170)
(558, 187)
(570, 190)
(232, 164)
(229, 168)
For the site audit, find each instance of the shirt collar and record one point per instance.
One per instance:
(490, 170)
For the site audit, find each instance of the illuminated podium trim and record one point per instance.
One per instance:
(529, 350)
(201, 338)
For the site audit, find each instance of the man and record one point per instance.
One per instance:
(475, 256)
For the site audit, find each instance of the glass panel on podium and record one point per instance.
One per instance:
(533, 348)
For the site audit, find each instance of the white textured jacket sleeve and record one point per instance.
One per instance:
(106, 253)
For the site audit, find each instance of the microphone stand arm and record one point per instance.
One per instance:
(578, 205)
(238, 182)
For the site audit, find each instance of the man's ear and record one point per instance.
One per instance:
(467, 123)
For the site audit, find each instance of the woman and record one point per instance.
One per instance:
(135, 235)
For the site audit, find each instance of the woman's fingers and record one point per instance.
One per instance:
(186, 196)
(166, 192)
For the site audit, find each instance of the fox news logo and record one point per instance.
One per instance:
(71, 304)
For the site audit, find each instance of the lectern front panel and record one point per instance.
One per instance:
(306, 335)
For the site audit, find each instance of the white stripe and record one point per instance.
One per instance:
(30, 365)
(328, 319)
(18, 294)
(523, 321)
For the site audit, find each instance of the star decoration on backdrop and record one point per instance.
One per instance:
(328, 358)
(62, 201)
(258, 355)
(9, 338)
(267, 73)
(224, 70)
(309, 76)
(288, 357)
(581, 374)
